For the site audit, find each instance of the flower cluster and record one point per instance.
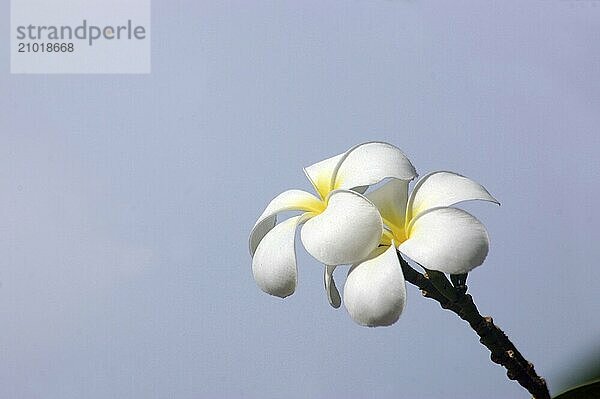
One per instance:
(346, 224)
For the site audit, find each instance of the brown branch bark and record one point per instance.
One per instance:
(436, 286)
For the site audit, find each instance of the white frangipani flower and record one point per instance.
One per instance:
(426, 228)
(340, 226)
(345, 226)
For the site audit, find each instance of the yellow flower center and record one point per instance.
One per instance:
(313, 205)
(393, 232)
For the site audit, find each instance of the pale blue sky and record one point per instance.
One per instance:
(127, 200)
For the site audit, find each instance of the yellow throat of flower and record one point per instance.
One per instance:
(393, 232)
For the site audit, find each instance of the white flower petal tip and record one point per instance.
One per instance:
(370, 163)
(333, 295)
(346, 232)
(375, 290)
(290, 200)
(274, 262)
(448, 240)
(443, 188)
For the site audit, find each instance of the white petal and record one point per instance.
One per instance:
(320, 174)
(443, 188)
(274, 263)
(370, 163)
(346, 232)
(375, 291)
(449, 240)
(290, 200)
(333, 295)
(391, 199)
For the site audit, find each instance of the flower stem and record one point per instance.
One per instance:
(436, 286)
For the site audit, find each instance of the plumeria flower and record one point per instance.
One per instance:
(426, 228)
(339, 225)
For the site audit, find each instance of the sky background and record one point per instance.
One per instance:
(126, 201)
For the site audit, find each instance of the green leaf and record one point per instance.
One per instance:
(591, 390)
